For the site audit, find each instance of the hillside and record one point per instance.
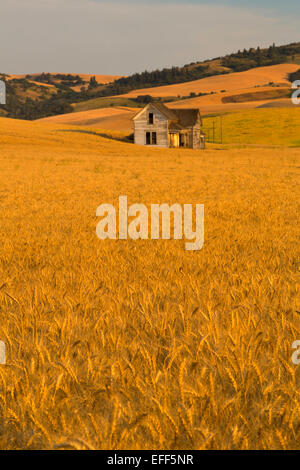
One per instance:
(112, 119)
(221, 93)
(236, 62)
(247, 98)
(47, 94)
(245, 90)
(105, 102)
(276, 74)
(74, 81)
(37, 95)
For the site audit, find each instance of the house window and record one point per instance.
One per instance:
(151, 138)
(151, 118)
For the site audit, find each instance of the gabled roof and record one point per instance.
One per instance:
(160, 107)
(169, 113)
(180, 118)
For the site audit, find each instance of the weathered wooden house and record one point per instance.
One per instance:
(157, 125)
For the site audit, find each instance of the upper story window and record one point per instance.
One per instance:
(151, 118)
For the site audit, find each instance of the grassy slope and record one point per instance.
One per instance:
(259, 126)
(142, 345)
(261, 95)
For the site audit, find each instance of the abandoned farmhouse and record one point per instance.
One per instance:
(157, 125)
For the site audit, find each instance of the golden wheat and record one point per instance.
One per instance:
(143, 345)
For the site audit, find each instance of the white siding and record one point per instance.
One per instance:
(142, 126)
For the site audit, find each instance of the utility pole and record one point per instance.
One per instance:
(213, 132)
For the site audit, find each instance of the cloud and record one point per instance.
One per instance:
(124, 37)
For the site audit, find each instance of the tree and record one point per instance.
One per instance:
(93, 83)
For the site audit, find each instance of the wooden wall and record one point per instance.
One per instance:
(197, 135)
(160, 126)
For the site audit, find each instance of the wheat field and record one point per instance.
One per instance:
(116, 118)
(141, 344)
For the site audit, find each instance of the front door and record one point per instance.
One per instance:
(185, 139)
(182, 140)
(174, 140)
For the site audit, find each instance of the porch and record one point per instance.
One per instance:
(180, 139)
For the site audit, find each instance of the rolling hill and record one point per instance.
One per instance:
(37, 95)
(221, 93)
(114, 119)
(236, 100)
(42, 95)
(259, 76)
(60, 78)
(244, 90)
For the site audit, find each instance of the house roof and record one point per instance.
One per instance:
(187, 117)
(180, 118)
(170, 113)
(174, 126)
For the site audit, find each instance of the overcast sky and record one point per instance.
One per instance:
(126, 36)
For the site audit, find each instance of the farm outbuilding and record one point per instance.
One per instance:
(158, 125)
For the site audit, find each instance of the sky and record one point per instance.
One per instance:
(121, 37)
